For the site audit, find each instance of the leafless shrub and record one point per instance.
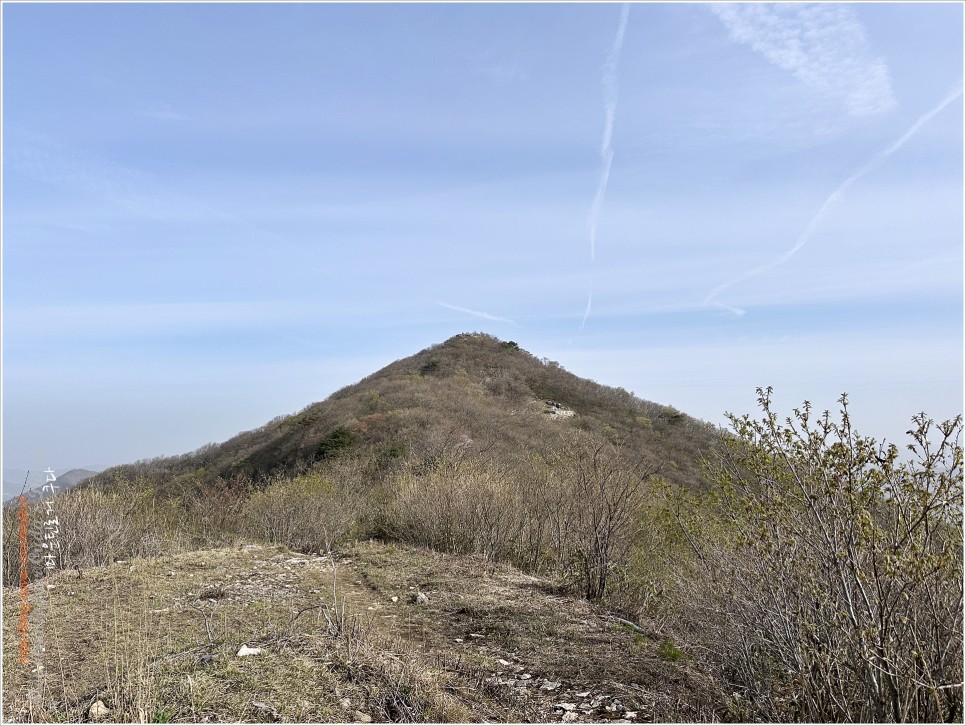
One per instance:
(309, 513)
(573, 510)
(214, 510)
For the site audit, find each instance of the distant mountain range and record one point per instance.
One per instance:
(13, 482)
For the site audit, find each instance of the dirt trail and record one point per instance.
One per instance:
(158, 640)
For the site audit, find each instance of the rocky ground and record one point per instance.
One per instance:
(258, 634)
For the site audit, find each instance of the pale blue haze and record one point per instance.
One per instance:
(216, 214)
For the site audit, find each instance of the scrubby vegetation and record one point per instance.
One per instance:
(474, 389)
(826, 576)
(809, 573)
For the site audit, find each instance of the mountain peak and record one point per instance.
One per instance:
(472, 385)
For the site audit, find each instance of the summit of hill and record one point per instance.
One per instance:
(472, 391)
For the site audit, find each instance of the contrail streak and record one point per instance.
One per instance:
(609, 82)
(590, 298)
(477, 313)
(837, 194)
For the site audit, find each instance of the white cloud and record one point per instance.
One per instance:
(823, 44)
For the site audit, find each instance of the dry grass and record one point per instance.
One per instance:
(145, 643)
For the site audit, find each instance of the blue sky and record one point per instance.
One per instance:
(216, 214)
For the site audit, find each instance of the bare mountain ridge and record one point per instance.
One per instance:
(473, 391)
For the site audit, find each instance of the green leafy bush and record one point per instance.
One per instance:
(335, 442)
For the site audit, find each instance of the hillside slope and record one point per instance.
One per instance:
(472, 390)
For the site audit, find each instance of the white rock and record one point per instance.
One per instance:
(345, 703)
(245, 650)
(567, 706)
(98, 710)
(394, 598)
(569, 716)
(549, 685)
(503, 662)
(361, 717)
(630, 714)
(422, 598)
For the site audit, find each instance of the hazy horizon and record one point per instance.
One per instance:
(217, 214)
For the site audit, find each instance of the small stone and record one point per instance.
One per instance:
(476, 635)
(630, 714)
(265, 707)
(98, 710)
(526, 677)
(394, 598)
(569, 716)
(422, 598)
(549, 686)
(567, 706)
(582, 694)
(503, 662)
(345, 703)
(458, 640)
(360, 717)
(245, 650)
